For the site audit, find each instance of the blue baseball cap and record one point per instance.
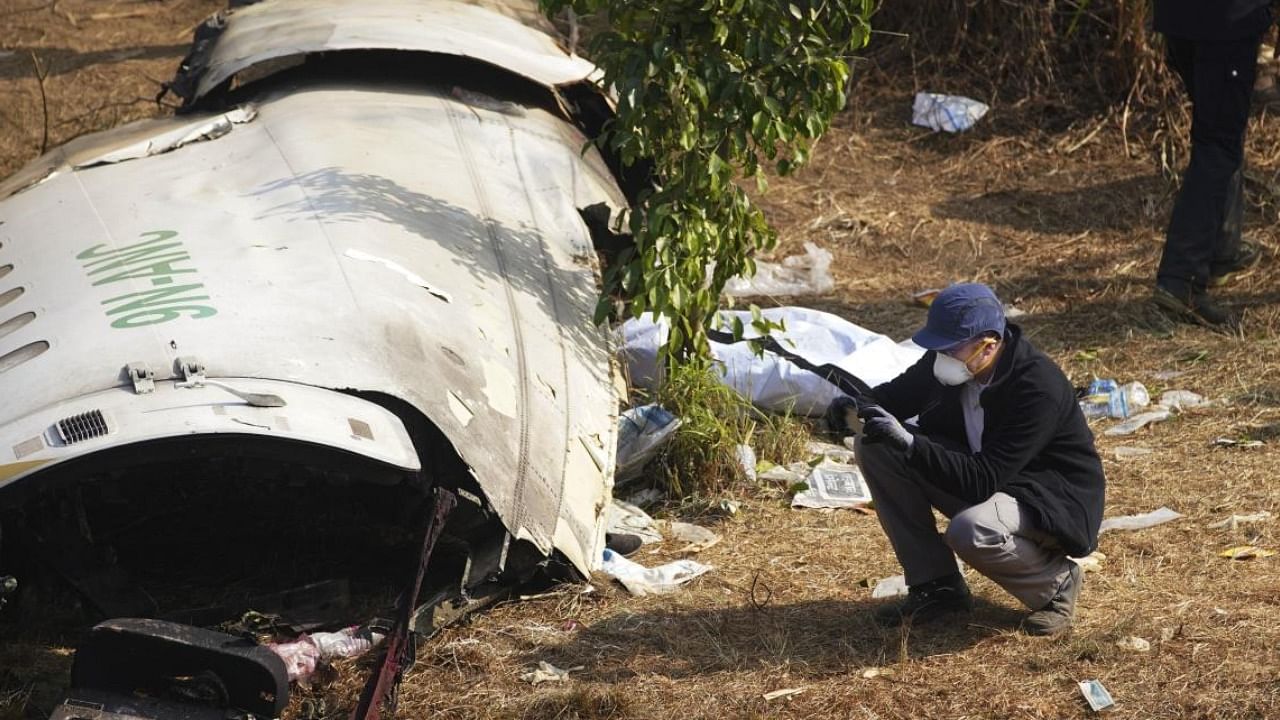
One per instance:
(958, 314)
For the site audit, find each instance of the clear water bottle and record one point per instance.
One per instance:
(1105, 399)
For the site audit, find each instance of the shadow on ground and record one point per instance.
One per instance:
(811, 638)
(1121, 205)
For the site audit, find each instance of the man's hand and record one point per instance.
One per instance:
(842, 414)
(880, 426)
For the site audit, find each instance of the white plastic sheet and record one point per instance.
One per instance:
(948, 113)
(640, 581)
(771, 382)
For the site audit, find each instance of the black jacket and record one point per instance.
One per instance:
(1213, 20)
(1036, 445)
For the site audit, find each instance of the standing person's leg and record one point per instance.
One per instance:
(999, 538)
(1220, 81)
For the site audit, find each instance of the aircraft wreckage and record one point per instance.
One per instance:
(356, 257)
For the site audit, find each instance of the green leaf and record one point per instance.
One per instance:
(710, 91)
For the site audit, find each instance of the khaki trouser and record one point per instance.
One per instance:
(996, 537)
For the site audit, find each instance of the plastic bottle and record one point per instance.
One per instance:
(346, 643)
(1106, 399)
(1136, 395)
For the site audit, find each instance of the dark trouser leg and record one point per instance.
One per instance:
(904, 504)
(1229, 243)
(1219, 78)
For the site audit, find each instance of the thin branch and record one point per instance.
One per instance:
(41, 74)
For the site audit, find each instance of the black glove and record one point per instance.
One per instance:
(878, 425)
(842, 412)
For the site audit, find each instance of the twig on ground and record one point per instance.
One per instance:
(41, 74)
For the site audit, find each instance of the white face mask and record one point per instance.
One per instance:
(951, 371)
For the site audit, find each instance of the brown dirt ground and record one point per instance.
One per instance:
(1066, 224)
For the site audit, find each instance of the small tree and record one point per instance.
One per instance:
(711, 92)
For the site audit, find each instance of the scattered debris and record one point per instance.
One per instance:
(642, 431)
(1167, 375)
(1129, 452)
(947, 113)
(890, 587)
(808, 274)
(302, 656)
(1139, 421)
(1182, 400)
(187, 672)
(546, 672)
(1236, 521)
(835, 453)
(1091, 562)
(1106, 398)
(1246, 552)
(746, 458)
(697, 537)
(832, 485)
(792, 474)
(784, 693)
(1134, 644)
(641, 581)
(729, 507)
(1243, 444)
(875, 672)
(1140, 522)
(647, 497)
(627, 519)
(1096, 695)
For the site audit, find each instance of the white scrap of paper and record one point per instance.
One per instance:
(1140, 522)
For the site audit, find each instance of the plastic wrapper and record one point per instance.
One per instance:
(808, 274)
(946, 113)
(642, 431)
(640, 581)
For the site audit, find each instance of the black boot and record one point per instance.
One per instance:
(1195, 306)
(927, 602)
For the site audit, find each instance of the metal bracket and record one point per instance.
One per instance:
(192, 370)
(142, 377)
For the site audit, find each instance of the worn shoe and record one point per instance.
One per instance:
(1246, 258)
(1196, 307)
(927, 602)
(1057, 616)
(622, 543)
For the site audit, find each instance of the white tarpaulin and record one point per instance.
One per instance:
(772, 382)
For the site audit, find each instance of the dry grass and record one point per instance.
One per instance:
(702, 459)
(1063, 214)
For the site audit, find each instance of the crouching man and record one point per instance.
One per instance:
(1000, 447)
